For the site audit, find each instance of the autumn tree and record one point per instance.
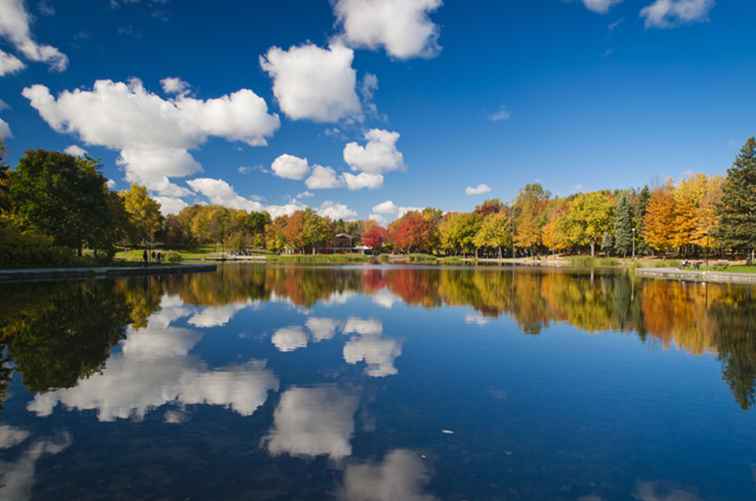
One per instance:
(707, 222)
(494, 232)
(488, 207)
(411, 232)
(589, 218)
(659, 221)
(374, 235)
(555, 234)
(144, 214)
(457, 232)
(530, 217)
(737, 210)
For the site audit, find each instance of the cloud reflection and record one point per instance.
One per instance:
(401, 475)
(313, 422)
(17, 478)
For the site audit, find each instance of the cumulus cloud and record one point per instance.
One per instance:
(154, 368)
(289, 338)
(75, 151)
(215, 316)
(672, 13)
(362, 180)
(170, 205)
(336, 211)
(5, 130)
(600, 6)
(313, 422)
(153, 134)
(9, 64)
(219, 192)
(401, 475)
(290, 167)
(174, 85)
(324, 178)
(389, 209)
(481, 189)
(378, 156)
(14, 27)
(313, 83)
(402, 27)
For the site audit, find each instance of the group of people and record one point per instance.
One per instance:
(157, 257)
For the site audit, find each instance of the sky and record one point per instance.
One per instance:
(367, 108)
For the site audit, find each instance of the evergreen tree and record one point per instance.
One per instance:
(623, 226)
(639, 212)
(737, 211)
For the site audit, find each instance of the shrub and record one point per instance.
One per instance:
(173, 257)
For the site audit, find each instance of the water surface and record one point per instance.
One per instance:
(371, 383)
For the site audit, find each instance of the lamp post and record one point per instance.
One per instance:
(633, 243)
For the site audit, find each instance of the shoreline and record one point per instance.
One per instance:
(40, 274)
(721, 277)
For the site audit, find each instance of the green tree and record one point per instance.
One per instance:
(737, 210)
(144, 215)
(495, 232)
(4, 180)
(623, 225)
(639, 213)
(62, 196)
(457, 232)
(589, 217)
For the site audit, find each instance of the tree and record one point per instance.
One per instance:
(457, 232)
(374, 235)
(659, 221)
(491, 206)
(411, 232)
(494, 233)
(61, 196)
(145, 219)
(707, 222)
(589, 217)
(639, 212)
(737, 210)
(4, 180)
(555, 235)
(623, 225)
(530, 216)
(688, 196)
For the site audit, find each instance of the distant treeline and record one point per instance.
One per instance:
(54, 206)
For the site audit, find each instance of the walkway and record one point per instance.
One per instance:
(698, 276)
(99, 271)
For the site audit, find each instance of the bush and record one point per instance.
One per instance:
(26, 248)
(173, 257)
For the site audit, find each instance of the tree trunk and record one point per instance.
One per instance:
(593, 249)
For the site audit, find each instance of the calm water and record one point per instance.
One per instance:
(372, 384)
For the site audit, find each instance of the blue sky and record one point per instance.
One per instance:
(577, 95)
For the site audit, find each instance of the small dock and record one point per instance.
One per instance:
(38, 274)
(721, 277)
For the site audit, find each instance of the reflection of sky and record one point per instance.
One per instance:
(401, 475)
(155, 367)
(17, 477)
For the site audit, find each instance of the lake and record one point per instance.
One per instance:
(378, 383)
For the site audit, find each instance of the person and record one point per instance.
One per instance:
(159, 257)
(144, 257)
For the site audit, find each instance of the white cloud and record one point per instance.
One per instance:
(389, 209)
(154, 368)
(75, 151)
(336, 211)
(600, 6)
(500, 115)
(14, 27)
(110, 184)
(659, 491)
(5, 130)
(9, 64)
(290, 167)
(174, 85)
(401, 475)
(219, 192)
(477, 319)
(289, 339)
(402, 27)
(322, 329)
(324, 178)
(363, 326)
(378, 156)
(362, 180)
(153, 134)
(313, 422)
(481, 189)
(170, 205)
(671, 13)
(313, 83)
(385, 299)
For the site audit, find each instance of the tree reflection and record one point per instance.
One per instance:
(59, 334)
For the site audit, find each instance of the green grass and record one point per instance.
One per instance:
(314, 259)
(741, 269)
(202, 252)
